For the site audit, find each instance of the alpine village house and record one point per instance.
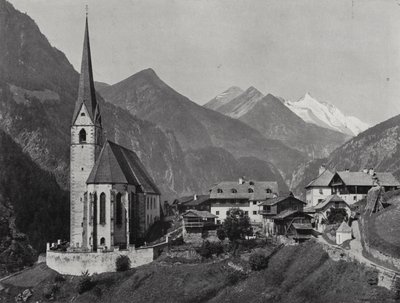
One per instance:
(113, 199)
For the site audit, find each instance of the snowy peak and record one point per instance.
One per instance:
(224, 98)
(243, 103)
(326, 115)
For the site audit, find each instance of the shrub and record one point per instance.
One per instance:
(258, 261)
(372, 277)
(123, 263)
(216, 248)
(205, 251)
(85, 283)
(234, 277)
(50, 290)
(221, 234)
(59, 278)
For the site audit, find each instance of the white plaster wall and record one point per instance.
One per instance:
(223, 209)
(351, 198)
(314, 194)
(341, 237)
(70, 263)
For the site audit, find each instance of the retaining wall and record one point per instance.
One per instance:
(74, 263)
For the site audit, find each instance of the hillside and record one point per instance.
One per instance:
(291, 276)
(31, 200)
(144, 94)
(378, 147)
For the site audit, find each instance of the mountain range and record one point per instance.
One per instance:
(274, 120)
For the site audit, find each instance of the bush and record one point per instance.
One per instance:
(59, 278)
(85, 283)
(221, 234)
(50, 290)
(216, 248)
(258, 261)
(204, 251)
(234, 277)
(123, 263)
(372, 277)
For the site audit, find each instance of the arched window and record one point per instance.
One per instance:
(82, 114)
(82, 136)
(269, 191)
(102, 241)
(118, 215)
(233, 190)
(219, 191)
(251, 190)
(103, 208)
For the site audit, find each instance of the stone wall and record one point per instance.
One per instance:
(74, 263)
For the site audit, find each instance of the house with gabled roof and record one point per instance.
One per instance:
(244, 194)
(329, 204)
(318, 189)
(279, 213)
(349, 185)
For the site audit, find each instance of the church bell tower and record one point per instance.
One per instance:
(86, 141)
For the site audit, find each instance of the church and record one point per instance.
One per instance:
(114, 200)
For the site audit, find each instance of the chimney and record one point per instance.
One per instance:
(241, 180)
(195, 197)
(365, 170)
(322, 168)
(371, 171)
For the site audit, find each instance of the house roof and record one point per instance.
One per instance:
(276, 200)
(261, 190)
(193, 213)
(119, 165)
(344, 228)
(302, 226)
(309, 209)
(365, 179)
(200, 199)
(328, 200)
(322, 180)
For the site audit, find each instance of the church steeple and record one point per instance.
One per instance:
(86, 92)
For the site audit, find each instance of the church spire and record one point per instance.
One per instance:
(86, 92)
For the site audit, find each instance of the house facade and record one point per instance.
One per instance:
(246, 195)
(113, 198)
(279, 212)
(350, 186)
(197, 202)
(329, 204)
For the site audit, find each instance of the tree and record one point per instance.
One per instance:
(336, 215)
(237, 225)
(221, 234)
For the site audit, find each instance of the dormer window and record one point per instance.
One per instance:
(83, 115)
(251, 183)
(269, 191)
(219, 191)
(233, 190)
(82, 136)
(251, 190)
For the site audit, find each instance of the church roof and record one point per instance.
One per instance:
(119, 165)
(86, 92)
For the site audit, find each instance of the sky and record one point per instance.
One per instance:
(346, 52)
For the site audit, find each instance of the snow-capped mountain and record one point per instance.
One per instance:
(224, 98)
(326, 115)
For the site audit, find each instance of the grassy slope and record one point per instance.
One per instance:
(382, 229)
(301, 273)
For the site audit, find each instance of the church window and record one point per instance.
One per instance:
(118, 217)
(102, 241)
(103, 208)
(82, 136)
